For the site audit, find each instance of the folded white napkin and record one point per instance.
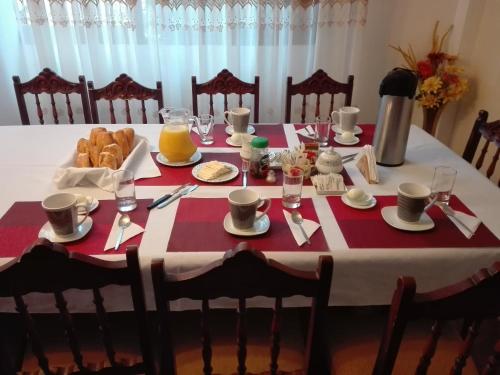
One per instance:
(367, 164)
(306, 132)
(139, 161)
(469, 221)
(195, 130)
(131, 231)
(309, 226)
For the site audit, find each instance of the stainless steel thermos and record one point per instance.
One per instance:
(397, 92)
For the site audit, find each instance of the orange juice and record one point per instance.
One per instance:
(175, 142)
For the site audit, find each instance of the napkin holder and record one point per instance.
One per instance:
(367, 165)
(329, 184)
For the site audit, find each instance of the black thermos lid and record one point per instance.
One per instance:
(399, 82)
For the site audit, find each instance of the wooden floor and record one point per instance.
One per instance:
(346, 326)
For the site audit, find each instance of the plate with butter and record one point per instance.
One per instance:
(215, 171)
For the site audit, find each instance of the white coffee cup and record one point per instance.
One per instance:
(243, 205)
(238, 118)
(62, 210)
(347, 118)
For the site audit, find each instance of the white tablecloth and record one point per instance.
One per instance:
(29, 156)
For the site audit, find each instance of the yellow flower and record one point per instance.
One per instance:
(453, 69)
(457, 90)
(430, 100)
(431, 84)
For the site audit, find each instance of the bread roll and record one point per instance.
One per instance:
(82, 146)
(115, 150)
(93, 134)
(94, 155)
(121, 140)
(104, 139)
(83, 160)
(107, 159)
(130, 134)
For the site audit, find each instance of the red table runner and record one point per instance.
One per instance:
(366, 138)
(20, 225)
(367, 228)
(199, 226)
(181, 175)
(273, 132)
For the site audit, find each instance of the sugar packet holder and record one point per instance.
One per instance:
(367, 164)
(329, 184)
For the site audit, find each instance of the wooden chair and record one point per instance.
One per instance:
(50, 83)
(244, 273)
(474, 300)
(490, 131)
(319, 83)
(226, 83)
(124, 88)
(50, 269)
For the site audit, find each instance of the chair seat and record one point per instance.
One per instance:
(355, 341)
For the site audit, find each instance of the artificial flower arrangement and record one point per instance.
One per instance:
(440, 80)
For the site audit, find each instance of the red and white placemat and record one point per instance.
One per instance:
(199, 226)
(367, 228)
(20, 225)
(365, 138)
(180, 175)
(273, 132)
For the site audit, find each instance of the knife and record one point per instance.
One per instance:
(177, 195)
(166, 196)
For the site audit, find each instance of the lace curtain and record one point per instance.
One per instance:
(171, 40)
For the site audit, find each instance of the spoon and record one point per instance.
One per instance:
(297, 219)
(123, 223)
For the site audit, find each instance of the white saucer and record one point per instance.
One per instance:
(229, 141)
(230, 130)
(259, 227)
(193, 159)
(225, 177)
(338, 139)
(372, 201)
(337, 129)
(390, 215)
(92, 202)
(81, 231)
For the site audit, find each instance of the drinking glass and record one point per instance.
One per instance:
(205, 126)
(124, 187)
(292, 187)
(442, 183)
(322, 131)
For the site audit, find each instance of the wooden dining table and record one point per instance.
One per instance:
(369, 255)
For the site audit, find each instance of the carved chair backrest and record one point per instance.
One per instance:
(48, 82)
(226, 83)
(49, 268)
(490, 132)
(319, 83)
(474, 300)
(244, 273)
(126, 89)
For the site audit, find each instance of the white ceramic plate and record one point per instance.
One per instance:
(338, 139)
(261, 226)
(226, 177)
(194, 159)
(390, 215)
(81, 231)
(230, 130)
(92, 202)
(372, 202)
(337, 129)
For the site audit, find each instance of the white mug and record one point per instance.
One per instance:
(62, 211)
(347, 118)
(243, 204)
(238, 118)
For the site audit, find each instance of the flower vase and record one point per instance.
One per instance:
(431, 118)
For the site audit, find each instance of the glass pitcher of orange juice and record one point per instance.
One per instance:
(175, 141)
